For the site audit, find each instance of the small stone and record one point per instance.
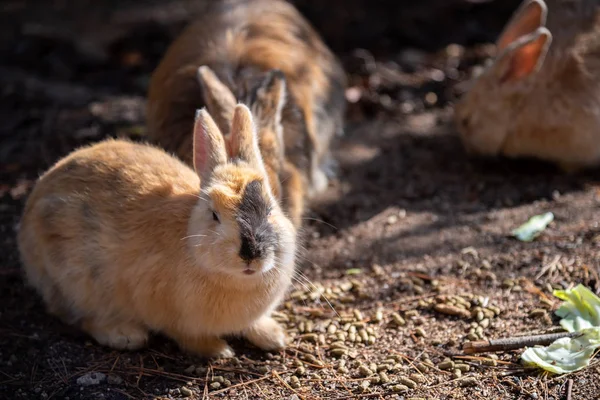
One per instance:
(91, 379)
(186, 392)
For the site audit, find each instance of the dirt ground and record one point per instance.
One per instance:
(410, 223)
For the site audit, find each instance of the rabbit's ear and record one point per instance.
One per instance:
(270, 98)
(209, 145)
(219, 100)
(267, 107)
(243, 143)
(524, 57)
(530, 16)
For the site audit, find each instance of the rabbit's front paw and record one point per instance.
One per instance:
(123, 336)
(267, 334)
(205, 346)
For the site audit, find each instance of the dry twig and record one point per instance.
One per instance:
(484, 346)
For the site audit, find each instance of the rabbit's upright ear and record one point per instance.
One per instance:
(243, 143)
(530, 16)
(209, 146)
(219, 100)
(523, 57)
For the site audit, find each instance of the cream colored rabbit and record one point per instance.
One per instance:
(541, 96)
(122, 239)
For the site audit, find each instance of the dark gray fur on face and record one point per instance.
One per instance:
(256, 233)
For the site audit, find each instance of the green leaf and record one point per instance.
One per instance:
(565, 355)
(532, 228)
(580, 310)
(353, 271)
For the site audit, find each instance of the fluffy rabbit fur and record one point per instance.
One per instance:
(541, 96)
(265, 54)
(122, 239)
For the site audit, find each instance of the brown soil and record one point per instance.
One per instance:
(410, 222)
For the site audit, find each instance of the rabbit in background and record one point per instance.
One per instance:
(122, 239)
(265, 54)
(541, 96)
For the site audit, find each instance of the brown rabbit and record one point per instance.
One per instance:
(122, 239)
(541, 96)
(265, 54)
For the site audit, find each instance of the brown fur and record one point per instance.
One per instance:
(241, 41)
(547, 105)
(120, 238)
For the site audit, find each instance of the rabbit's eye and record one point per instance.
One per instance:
(215, 216)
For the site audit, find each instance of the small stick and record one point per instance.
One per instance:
(483, 346)
(569, 389)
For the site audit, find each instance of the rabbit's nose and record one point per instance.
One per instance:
(251, 248)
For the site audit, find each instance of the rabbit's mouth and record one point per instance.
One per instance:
(249, 271)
